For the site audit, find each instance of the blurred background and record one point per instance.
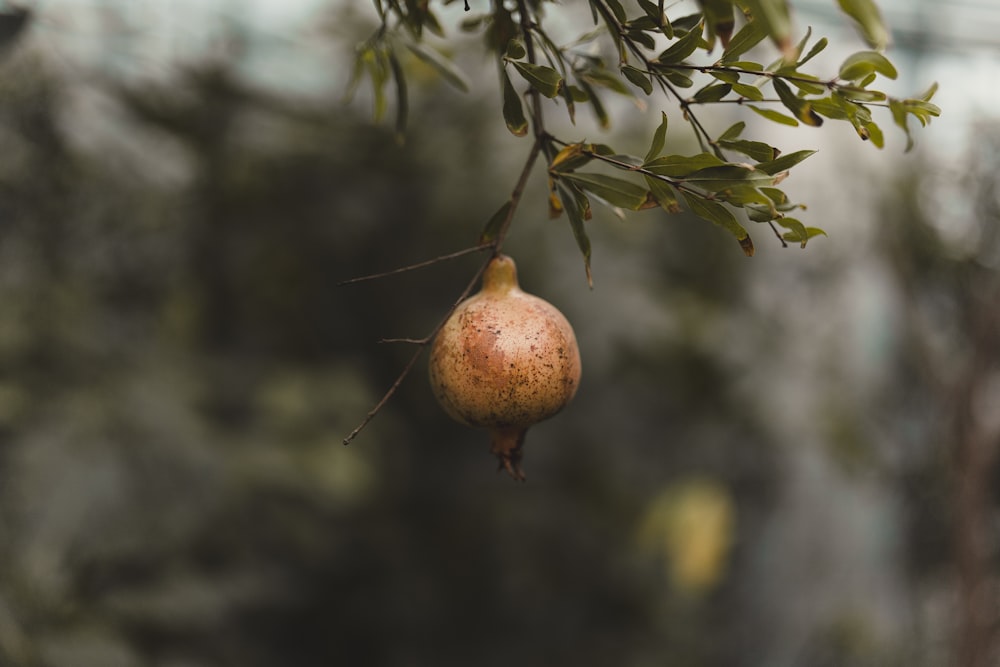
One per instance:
(789, 460)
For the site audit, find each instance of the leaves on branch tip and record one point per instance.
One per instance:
(798, 233)
(577, 208)
(513, 110)
(495, 223)
(639, 78)
(868, 18)
(615, 191)
(715, 212)
(659, 139)
(682, 48)
(544, 79)
(865, 63)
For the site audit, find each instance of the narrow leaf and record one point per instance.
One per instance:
(862, 64)
(679, 166)
(869, 20)
(814, 51)
(444, 67)
(719, 20)
(750, 92)
(798, 106)
(659, 139)
(543, 79)
(775, 116)
(572, 204)
(747, 37)
(722, 216)
(663, 193)
(712, 93)
(758, 150)
(784, 162)
(513, 110)
(615, 191)
(639, 78)
(733, 132)
(402, 99)
(682, 48)
(776, 21)
(492, 227)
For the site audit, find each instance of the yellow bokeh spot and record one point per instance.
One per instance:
(691, 524)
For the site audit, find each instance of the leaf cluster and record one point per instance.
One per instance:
(733, 180)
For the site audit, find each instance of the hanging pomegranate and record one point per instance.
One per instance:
(504, 360)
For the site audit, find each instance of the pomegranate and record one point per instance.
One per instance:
(504, 360)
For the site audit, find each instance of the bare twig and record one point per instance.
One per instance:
(422, 343)
(419, 265)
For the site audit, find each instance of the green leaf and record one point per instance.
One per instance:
(743, 196)
(775, 116)
(615, 191)
(682, 48)
(607, 79)
(798, 106)
(575, 203)
(798, 233)
(814, 51)
(733, 132)
(776, 22)
(679, 166)
(655, 12)
(866, 14)
(747, 37)
(492, 227)
(726, 76)
(543, 79)
(444, 67)
(515, 49)
(862, 64)
(639, 78)
(617, 10)
(513, 110)
(377, 61)
(901, 118)
(715, 179)
(750, 92)
(722, 216)
(572, 156)
(719, 20)
(784, 163)
(798, 230)
(875, 134)
(679, 79)
(663, 194)
(757, 150)
(659, 139)
(402, 100)
(827, 107)
(595, 102)
(712, 93)
(807, 83)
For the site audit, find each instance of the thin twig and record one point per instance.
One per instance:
(411, 341)
(416, 355)
(419, 265)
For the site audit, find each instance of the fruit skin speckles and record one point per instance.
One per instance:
(504, 360)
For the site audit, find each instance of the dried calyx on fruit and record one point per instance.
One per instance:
(504, 360)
